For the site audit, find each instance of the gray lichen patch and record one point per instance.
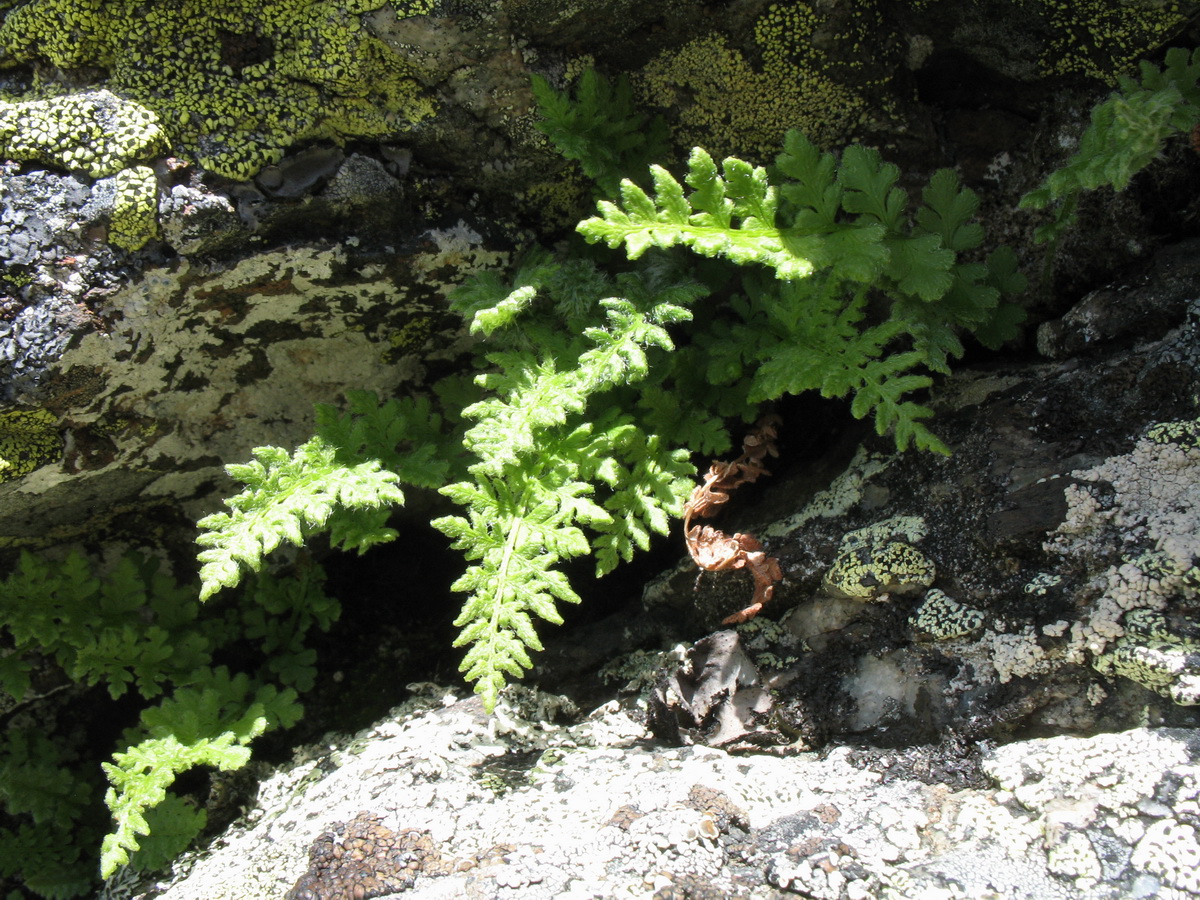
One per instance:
(607, 813)
(1147, 504)
(842, 494)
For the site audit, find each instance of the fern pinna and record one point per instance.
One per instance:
(1126, 133)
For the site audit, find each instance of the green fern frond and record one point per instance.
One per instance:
(174, 824)
(835, 232)
(1126, 133)
(50, 864)
(97, 629)
(205, 725)
(649, 481)
(518, 536)
(287, 498)
(344, 480)
(37, 781)
(406, 435)
(600, 128)
(539, 465)
(730, 213)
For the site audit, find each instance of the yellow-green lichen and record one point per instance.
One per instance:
(28, 439)
(234, 83)
(413, 335)
(1105, 38)
(135, 208)
(730, 105)
(881, 559)
(1157, 656)
(95, 132)
(943, 618)
(1184, 434)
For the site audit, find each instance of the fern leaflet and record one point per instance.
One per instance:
(207, 724)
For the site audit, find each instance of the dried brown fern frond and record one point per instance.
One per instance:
(715, 551)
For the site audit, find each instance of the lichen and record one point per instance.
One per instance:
(232, 83)
(1147, 504)
(95, 132)
(836, 500)
(731, 105)
(1157, 655)
(135, 208)
(943, 618)
(1184, 434)
(28, 439)
(881, 559)
(1104, 38)
(1170, 850)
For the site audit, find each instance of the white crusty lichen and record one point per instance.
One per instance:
(843, 493)
(1070, 853)
(1170, 851)
(1145, 503)
(1018, 654)
(1105, 774)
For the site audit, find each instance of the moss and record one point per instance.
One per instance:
(135, 208)
(731, 105)
(233, 83)
(28, 439)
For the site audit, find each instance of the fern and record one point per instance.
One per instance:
(95, 629)
(50, 863)
(1126, 133)
(38, 782)
(600, 128)
(135, 631)
(729, 214)
(174, 824)
(278, 614)
(344, 481)
(575, 437)
(209, 724)
(532, 490)
(837, 235)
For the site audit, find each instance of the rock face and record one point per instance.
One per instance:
(1043, 576)
(448, 803)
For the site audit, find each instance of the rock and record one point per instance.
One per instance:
(292, 198)
(590, 808)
